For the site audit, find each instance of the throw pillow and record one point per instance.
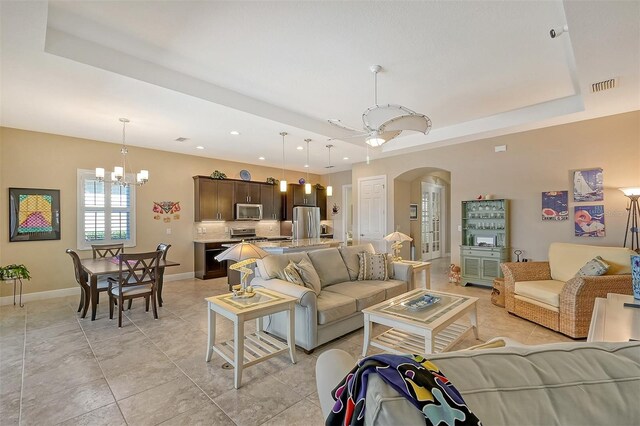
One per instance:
(373, 266)
(309, 275)
(594, 268)
(291, 274)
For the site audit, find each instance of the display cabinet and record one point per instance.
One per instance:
(485, 240)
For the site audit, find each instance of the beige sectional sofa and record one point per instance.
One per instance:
(337, 309)
(550, 293)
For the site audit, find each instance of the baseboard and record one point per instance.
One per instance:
(71, 291)
(40, 295)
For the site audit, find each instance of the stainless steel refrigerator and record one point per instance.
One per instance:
(306, 222)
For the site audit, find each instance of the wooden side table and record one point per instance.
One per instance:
(245, 351)
(421, 273)
(612, 321)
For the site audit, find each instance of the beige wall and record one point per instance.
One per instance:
(40, 160)
(535, 161)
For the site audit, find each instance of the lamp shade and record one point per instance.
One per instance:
(629, 192)
(398, 236)
(242, 251)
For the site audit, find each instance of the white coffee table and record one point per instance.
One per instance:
(612, 321)
(426, 331)
(245, 351)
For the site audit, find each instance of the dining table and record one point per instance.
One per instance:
(111, 266)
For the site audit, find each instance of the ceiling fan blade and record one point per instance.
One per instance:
(415, 122)
(341, 125)
(359, 135)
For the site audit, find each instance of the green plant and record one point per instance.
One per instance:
(319, 187)
(14, 271)
(272, 180)
(217, 174)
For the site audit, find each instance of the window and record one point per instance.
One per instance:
(106, 212)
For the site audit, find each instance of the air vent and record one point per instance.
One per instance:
(603, 85)
(181, 139)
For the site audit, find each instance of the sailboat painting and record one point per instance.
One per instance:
(589, 221)
(587, 185)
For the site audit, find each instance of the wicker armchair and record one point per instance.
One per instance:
(576, 297)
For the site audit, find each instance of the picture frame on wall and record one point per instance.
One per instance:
(589, 221)
(413, 212)
(34, 214)
(555, 205)
(588, 185)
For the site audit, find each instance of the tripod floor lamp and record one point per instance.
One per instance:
(633, 218)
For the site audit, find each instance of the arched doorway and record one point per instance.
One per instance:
(428, 189)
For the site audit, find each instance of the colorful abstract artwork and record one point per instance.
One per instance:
(165, 210)
(587, 185)
(589, 221)
(555, 205)
(34, 214)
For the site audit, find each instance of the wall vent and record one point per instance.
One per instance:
(603, 85)
(181, 139)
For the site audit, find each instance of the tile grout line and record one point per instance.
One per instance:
(24, 361)
(103, 374)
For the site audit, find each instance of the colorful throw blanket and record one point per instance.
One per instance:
(414, 377)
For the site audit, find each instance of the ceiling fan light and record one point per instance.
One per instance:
(375, 141)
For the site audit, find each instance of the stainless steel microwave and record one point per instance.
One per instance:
(248, 211)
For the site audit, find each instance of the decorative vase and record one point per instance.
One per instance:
(635, 276)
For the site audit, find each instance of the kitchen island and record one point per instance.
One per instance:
(293, 246)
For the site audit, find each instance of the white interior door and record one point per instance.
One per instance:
(347, 206)
(431, 220)
(372, 205)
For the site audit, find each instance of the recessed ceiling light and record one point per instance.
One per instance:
(306, 166)
(299, 148)
(199, 147)
(345, 158)
(260, 158)
(234, 132)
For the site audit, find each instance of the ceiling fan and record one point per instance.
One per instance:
(381, 123)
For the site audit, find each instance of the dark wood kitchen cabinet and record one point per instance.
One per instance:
(297, 197)
(247, 192)
(213, 199)
(271, 198)
(206, 265)
(321, 201)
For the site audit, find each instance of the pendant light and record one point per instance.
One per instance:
(307, 185)
(329, 187)
(283, 182)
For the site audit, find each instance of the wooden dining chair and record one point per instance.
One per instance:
(82, 280)
(164, 248)
(138, 277)
(107, 250)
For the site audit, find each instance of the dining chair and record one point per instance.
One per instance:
(138, 277)
(164, 248)
(81, 279)
(107, 250)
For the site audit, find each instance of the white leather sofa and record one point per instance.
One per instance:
(554, 384)
(337, 310)
(550, 294)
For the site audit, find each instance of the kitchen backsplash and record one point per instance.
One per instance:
(215, 230)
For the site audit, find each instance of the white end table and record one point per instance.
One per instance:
(612, 321)
(245, 351)
(421, 273)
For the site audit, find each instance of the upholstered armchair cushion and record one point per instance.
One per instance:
(544, 291)
(567, 259)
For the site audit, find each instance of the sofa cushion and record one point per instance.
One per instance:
(392, 288)
(373, 266)
(309, 275)
(269, 266)
(545, 291)
(566, 259)
(291, 274)
(594, 268)
(329, 266)
(334, 306)
(350, 256)
(366, 294)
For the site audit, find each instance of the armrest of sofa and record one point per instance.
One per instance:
(578, 297)
(303, 294)
(404, 272)
(521, 271)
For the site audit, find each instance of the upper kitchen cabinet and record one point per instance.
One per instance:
(297, 197)
(247, 192)
(213, 199)
(271, 198)
(321, 201)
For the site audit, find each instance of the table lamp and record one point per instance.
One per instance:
(398, 238)
(632, 217)
(244, 254)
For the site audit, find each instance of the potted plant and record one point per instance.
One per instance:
(217, 174)
(272, 180)
(11, 272)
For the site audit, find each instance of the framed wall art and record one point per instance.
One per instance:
(34, 214)
(587, 185)
(413, 212)
(589, 221)
(555, 205)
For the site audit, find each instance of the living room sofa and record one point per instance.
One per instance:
(553, 384)
(550, 293)
(336, 311)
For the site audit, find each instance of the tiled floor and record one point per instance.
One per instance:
(57, 368)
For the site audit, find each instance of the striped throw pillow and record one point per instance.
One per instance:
(373, 266)
(291, 274)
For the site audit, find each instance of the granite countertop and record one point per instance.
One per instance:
(236, 240)
(302, 243)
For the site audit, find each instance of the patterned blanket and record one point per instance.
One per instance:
(414, 377)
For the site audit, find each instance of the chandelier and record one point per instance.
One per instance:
(119, 173)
